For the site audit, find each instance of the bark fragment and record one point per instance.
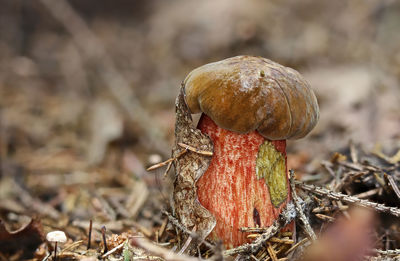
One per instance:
(188, 169)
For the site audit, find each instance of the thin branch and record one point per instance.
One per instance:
(393, 252)
(307, 227)
(393, 184)
(187, 243)
(285, 218)
(168, 161)
(159, 251)
(167, 169)
(181, 227)
(271, 252)
(257, 244)
(202, 152)
(294, 247)
(253, 229)
(113, 250)
(349, 199)
(325, 217)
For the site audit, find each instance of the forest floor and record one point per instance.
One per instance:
(87, 105)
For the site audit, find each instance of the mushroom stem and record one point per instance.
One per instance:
(246, 183)
(55, 251)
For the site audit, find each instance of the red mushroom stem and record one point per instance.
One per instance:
(230, 188)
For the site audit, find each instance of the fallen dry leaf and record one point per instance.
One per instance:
(189, 168)
(25, 239)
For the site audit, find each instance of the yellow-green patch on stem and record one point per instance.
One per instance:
(270, 166)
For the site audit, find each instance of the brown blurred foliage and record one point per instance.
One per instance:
(346, 240)
(347, 51)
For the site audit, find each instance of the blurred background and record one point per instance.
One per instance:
(76, 72)
(87, 88)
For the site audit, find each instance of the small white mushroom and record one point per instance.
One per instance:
(56, 237)
(154, 159)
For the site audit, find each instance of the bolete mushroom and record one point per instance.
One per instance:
(250, 106)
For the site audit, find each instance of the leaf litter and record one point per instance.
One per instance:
(54, 167)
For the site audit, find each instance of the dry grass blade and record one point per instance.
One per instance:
(271, 252)
(298, 244)
(168, 161)
(113, 250)
(310, 232)
(393, 184)
(202, 152)
(368, 193)
(377, 151)
(161, 164)
(325, 217)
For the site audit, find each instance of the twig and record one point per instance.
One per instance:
(162, 228)
(161, 164)
(119, 208)
(152, 258)
(285, 241)
(35, 204)
(349, 199)
(377, 151)
(393, 252)
(354, 166)
(176, 223)
(276, 251)
(329, 209)
(105, 206)
(253, 229)
(168, 161)
(302, 242)
(71, 246)
(181, 227)
(353, 152)
(113, 250)
(202, 152)
(349, 177)
(168, 168)
(299, 210)
(188, 240)
(325, 217)
(285, 218)
(327, 166)
(159, 251)
(257, 244)
(368, 193)
(46, 257)
(393, 184)
(271, 252)
(254, 258)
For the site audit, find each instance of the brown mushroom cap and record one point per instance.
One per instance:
(246, 93)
